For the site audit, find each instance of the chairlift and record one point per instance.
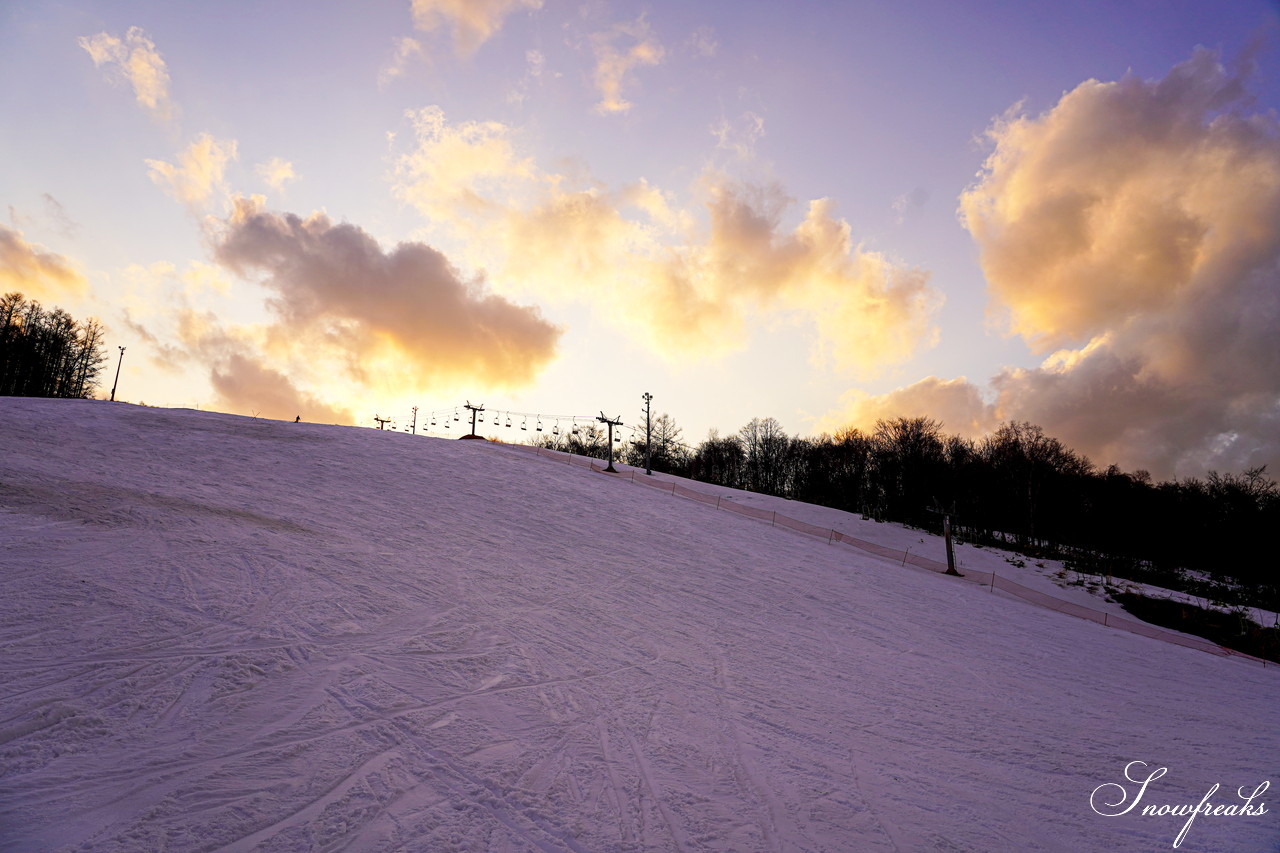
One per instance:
(555, 430)
(575, 428)
(539, 423)
(455, 414)
(525, 424)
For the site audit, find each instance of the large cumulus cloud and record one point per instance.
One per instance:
(1132, 234)
(404, 314)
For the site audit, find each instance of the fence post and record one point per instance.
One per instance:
(993, 582)
(904, 556)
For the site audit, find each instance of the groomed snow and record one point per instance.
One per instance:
(222, 633)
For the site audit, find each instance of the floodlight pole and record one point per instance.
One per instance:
(117, 380)
(414, 428)
(946, 534)
(475, 410)
(648, 436)
(616, 421)
(951, 554)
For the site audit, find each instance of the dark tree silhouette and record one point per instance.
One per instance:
(46, 353)
(1020, 487)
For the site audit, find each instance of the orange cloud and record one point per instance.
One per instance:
(614, 65)
(135, 60)
(691, 287)
(1136, 227)
(868, 311)
(473, 22)
(240, 377)
(405, 314)
(199, 173)
(35, 271)
(957, 403)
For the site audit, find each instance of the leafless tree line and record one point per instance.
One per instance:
(46, 352)
(1017, 487)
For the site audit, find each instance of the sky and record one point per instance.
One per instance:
(825, 213)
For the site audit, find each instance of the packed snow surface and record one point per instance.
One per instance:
(221, 633)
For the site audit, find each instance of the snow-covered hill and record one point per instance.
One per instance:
(221, 633)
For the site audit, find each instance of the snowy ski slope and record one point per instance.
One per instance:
(222, 634)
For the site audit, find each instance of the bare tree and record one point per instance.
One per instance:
(46, 353)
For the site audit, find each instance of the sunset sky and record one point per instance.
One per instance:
(826, 213)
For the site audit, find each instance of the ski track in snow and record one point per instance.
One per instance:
(227, 634)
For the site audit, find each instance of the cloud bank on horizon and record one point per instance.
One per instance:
(1132, 232)
(36, 271)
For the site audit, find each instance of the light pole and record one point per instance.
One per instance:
(117, 382)
(648, 436)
